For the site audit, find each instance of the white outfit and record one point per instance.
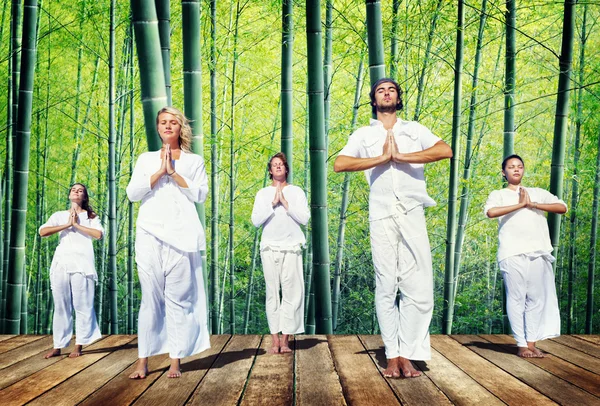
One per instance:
(525, 259)
(72, 280)
(281, 254)
(169, 237)
(399, 241)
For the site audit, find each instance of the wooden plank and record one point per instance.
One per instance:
(26, 367)
(591, 338)
(272, 378)
(362, 384)
(579, 344)
(17, 341)
(570, 354)
(506, 387)
(555, 388)
(41, 381)
(565, 370)
(79, 387)
(225, 381)
(316, 381)
(460, 388)
(6, 336)
(25, 351)
(169, 391)
(124, 391)
(414, 391)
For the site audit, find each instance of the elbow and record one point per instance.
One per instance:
(448, 152)
(337, 165)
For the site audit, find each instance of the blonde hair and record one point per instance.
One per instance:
(185, 135)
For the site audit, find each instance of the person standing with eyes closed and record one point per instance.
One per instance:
(392, 153)
(525, 257)
(168, 243)
(72, 272)
(280, 209)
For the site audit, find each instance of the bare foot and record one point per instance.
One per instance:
(175, 370)
(54, 353)
(525, 352)
(274, 344)
(408, 369)
(141, 370)
(393, 369)
(76, 352)
(285, 348)
(536, 351)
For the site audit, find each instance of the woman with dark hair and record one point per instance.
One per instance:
(168, 244)
(525, 257)
(73, 273)
(280, 209)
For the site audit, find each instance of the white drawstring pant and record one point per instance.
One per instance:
(282, 269)
(531, 302)
(172, 314)
(73, 291)
(402, 260)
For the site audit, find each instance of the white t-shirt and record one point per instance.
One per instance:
(281, 227)
(75, 251)
(524, 231)
(167, 211)
(392, 181)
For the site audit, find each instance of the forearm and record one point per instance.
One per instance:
(503, 210)
(344, 163)
(178, 179)
(48, 231)
(439, 151)
(557, 208)
(154, 178)
(92, 232)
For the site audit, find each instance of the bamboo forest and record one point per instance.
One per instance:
(82, 82)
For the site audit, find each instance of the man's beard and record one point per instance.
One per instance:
(386, 109)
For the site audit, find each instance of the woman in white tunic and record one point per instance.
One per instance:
(280, 209)
(525, 257)
(169, 238)
(73, 272)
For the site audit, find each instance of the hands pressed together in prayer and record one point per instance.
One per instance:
(166, 166)
(390, 149)
(525, 200)
(279, 197)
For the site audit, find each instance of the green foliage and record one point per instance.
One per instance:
(256, 107)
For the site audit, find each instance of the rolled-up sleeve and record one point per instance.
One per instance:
(493, 200)
(549, 198)
(197, 189)
(96, 224)
(52, 222)
(139, 185)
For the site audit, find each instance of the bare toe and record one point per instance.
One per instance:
(174, 373)
(54, 353)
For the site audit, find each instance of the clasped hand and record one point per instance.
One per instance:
(525, 200)
(73, 218)
(166, 166)
(279, 197)
(390, 149)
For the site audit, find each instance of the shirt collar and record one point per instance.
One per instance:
(399, 123)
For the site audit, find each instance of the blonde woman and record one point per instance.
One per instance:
(169, 238)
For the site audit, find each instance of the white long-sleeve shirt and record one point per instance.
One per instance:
(392, 182)
(281, 227)
(75, 251)
(167, 211)
(523, 231)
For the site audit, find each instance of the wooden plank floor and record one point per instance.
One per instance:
(322, 370)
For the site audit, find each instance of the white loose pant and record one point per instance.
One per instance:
(402, 260)
(172, 314)
(531, 302)
(73, 291)
(283, 269)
